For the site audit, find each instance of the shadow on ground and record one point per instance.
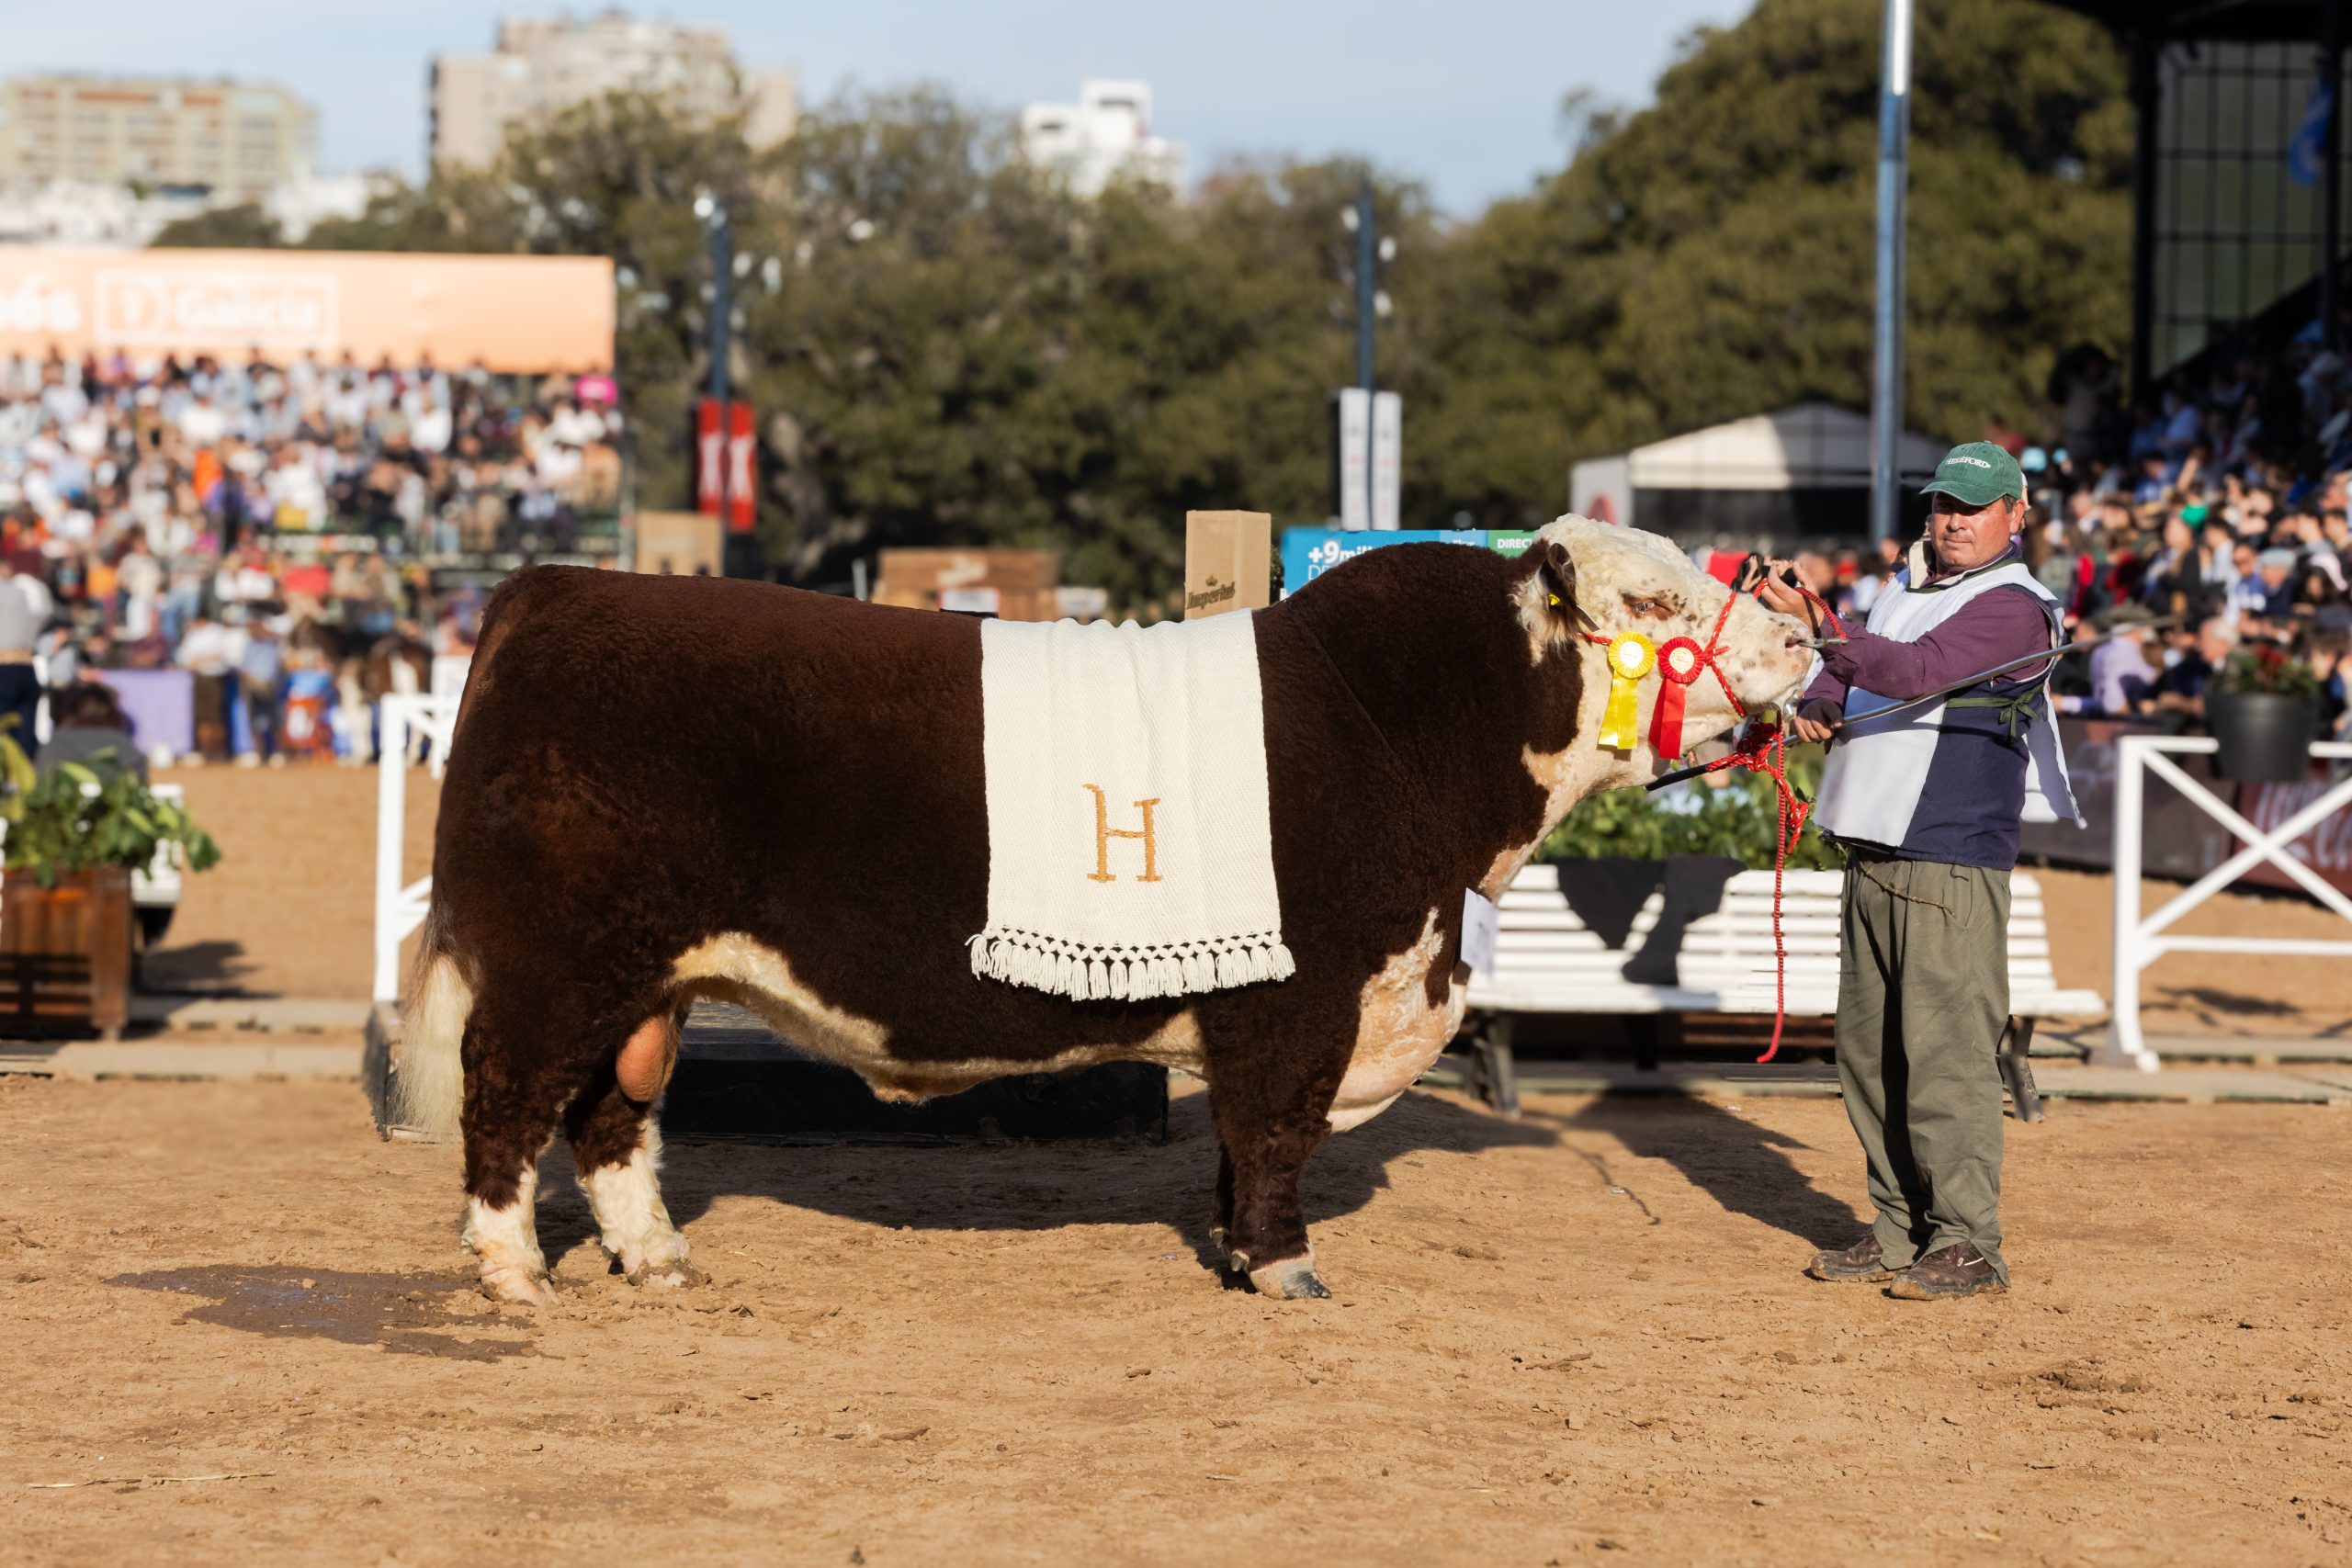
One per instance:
(2214, 1005)
(1023, 1187)
(1739, 1163)
(212, 968)
(409, 1314)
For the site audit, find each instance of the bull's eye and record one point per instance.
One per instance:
(1647, 607)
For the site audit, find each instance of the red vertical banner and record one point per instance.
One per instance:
(742, 494)
(709, 456)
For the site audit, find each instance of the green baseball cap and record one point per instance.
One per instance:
(1976, 473)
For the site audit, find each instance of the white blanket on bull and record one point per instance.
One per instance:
(1129, 852)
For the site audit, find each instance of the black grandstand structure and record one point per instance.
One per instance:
(2238, 176)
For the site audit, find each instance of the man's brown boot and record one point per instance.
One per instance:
(1863, 1260)
(1956, 1271)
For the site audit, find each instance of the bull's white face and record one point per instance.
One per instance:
(1623, 580)
(1604, 580)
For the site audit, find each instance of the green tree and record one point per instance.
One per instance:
(1710, 256)
(960, 351)
(241, 227)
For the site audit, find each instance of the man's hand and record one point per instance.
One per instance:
(1776, 594)
(1815, 723)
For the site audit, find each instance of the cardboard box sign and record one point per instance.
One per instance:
(1228, 562)
(678, 543)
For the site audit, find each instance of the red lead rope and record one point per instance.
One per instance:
(1769, 756)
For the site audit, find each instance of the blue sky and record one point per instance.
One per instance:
(1462, 95)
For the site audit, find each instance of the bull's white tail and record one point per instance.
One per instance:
(431, 1083)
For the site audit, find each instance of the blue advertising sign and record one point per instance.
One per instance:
(1308, 553)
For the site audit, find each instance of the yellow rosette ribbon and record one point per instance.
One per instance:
(1631, 657)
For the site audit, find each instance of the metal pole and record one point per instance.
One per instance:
(2146, 88)
(722, 310)
(1894, 152)
(2330, 141)
(1368, 267)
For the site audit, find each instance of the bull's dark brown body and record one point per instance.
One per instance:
(644, 764)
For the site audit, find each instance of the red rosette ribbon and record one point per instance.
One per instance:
(1679, 663)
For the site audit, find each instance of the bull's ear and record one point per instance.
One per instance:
(1544, 592)
(1557, 573)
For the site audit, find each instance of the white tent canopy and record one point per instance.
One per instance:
(1807, 446)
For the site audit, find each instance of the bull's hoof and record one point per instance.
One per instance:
(1291, 1280)
(518, 1287)
(670, 1274)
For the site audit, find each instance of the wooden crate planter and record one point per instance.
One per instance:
(65, 953)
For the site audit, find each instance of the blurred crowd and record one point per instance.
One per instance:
(263, 524)
(2208, 524)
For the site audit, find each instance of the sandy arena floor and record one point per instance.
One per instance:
(1583, 1337)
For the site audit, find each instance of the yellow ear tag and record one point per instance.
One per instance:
(1631, 657)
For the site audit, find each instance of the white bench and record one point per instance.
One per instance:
(1547, 961)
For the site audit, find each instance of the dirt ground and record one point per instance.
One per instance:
(1582, 1337)
(290, 909)
(290, 912)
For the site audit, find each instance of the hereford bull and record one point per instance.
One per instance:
(666, 788)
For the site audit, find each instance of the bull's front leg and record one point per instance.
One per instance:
(1272, 1109)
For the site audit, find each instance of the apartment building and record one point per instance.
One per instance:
(1105, 134)
(541, 67)
(238, 141)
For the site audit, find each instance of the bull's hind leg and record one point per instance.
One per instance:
(511, 1100)
(616, 1145)
(1271, 1112)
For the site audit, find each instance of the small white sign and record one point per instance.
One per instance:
(1387, 455)
(1479, 920)
(1354, 438)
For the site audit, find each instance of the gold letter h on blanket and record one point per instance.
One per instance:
(1104, 833)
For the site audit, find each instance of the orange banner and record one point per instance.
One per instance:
(513, 314)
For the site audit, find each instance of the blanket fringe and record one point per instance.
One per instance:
(1042, 964)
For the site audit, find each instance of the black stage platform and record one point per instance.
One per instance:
(736, 1081)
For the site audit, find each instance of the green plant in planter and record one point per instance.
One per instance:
(1740, 819)
(82, 816)
(2267, 669)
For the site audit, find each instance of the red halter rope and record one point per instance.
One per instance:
(1768, 755)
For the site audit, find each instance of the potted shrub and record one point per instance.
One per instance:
(73, 838)
(2263, 707)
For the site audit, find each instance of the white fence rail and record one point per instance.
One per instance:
(2140, 942)
(400, 907)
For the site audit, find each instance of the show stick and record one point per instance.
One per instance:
(2050, 654)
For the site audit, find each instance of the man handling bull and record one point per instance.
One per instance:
(1925, 798)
